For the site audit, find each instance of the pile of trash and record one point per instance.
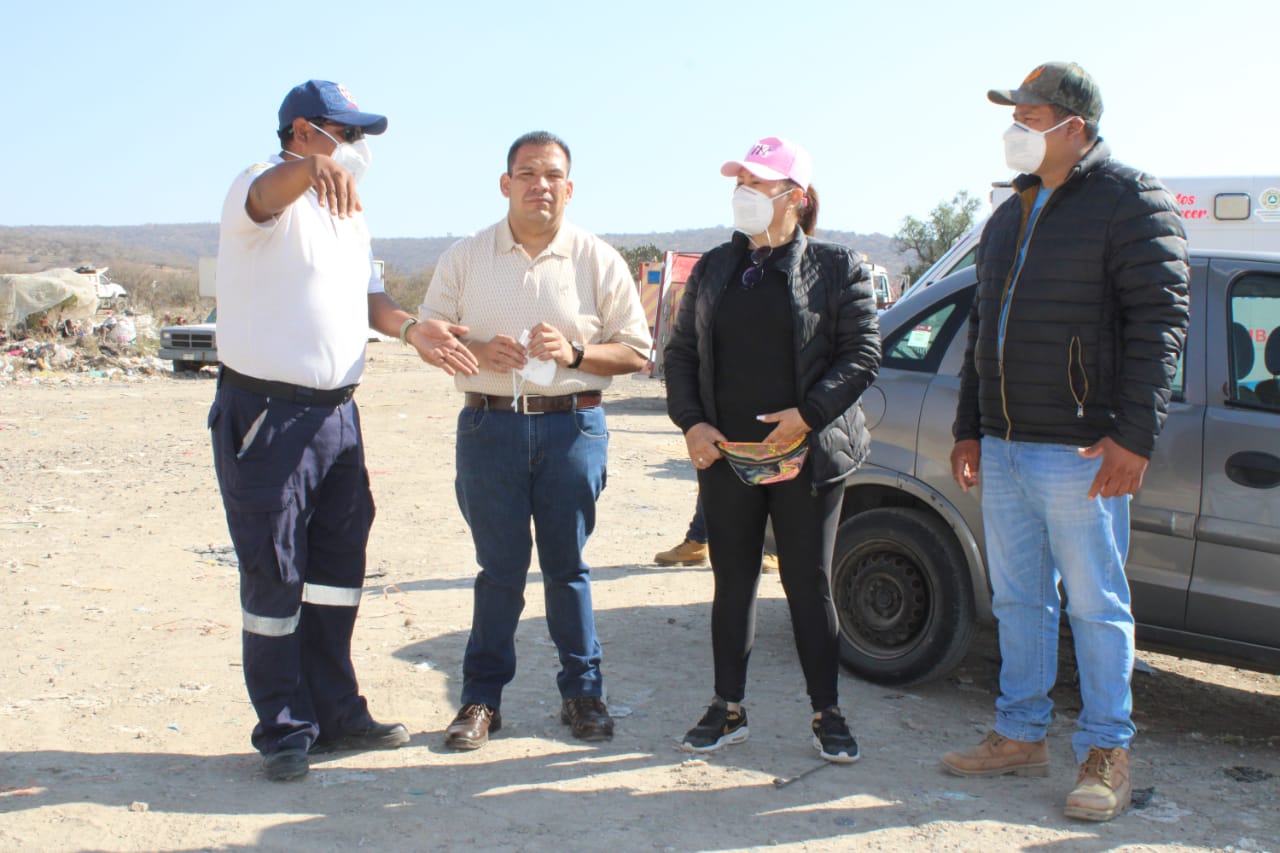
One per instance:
(69, 360)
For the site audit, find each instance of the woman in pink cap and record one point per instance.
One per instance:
(774, 343)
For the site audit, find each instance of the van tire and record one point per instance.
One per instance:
(902, 595)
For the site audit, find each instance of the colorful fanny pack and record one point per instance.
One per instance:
(758, 463)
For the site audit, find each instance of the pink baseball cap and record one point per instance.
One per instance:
(774, 159)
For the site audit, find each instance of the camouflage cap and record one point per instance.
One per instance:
(1063, 84)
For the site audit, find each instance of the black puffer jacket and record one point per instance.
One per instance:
(837, 345)
(1096, 318)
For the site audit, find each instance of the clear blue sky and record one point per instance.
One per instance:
(143, 112)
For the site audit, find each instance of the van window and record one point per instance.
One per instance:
(1231, 206)
(969, 259)
(1178, 386)
(880, 282)
(921, 343)
(1254, 341)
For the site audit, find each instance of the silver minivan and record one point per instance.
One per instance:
(909, 577)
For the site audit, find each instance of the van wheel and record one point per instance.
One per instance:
(186, 366)
(902, 594)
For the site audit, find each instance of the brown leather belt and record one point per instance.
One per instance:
(535, 405)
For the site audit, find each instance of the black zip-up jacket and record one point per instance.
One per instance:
(1095, 319)
(837, 346)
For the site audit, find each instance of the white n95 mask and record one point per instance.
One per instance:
(1024, 148)
(753, 210)
(355, 157)
(535, 370)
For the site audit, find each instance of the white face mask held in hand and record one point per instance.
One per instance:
(355, 157)
(535, 370)
(753, 210)
(1024, 148)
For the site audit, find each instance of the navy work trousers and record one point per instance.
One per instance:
(296, 494)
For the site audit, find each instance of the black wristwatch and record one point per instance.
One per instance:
(578, 352)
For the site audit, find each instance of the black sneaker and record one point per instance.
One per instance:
(832, 739)
(718, 727)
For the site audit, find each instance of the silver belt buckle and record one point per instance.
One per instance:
(523, 406)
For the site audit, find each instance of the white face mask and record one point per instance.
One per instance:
(1024, 148)
(355, 157)
(753, 210)
(535, 370)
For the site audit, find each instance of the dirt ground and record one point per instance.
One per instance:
(124, 720)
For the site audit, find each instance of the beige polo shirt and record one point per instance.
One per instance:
(579, 284)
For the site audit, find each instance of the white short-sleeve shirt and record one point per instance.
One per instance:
(292, 292)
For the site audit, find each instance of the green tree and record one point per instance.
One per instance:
(640, 254)
(407, 289)
(931, 238)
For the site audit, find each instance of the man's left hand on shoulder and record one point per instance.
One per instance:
(1121, 470)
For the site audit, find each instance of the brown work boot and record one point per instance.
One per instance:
(998, 755)
(687, 553)
(589, 718)
(1103, 788)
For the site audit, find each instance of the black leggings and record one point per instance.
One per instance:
(804, 525)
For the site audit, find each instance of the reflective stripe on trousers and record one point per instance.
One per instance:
(312, 593)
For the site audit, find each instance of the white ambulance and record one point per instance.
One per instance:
(1235, 213)
(1239, 213)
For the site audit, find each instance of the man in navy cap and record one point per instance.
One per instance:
(296, 296)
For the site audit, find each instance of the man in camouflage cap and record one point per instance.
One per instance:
(1074, 337)
(1061, 84)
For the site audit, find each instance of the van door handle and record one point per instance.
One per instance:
(1253, 470)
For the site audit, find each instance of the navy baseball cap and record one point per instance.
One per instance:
(332, 101)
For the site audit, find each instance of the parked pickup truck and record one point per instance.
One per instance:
(909, 578)
(190, 347)
(111, 296)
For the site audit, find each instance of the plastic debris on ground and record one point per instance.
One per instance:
(343, 777)
(49, 358)
(1141, 797)
(1248, 774)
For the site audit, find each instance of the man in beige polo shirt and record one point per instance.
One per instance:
(553, 314)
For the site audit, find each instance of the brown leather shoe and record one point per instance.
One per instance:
(589, 717)
(1103, 789)
(998, 755)
(470, 729)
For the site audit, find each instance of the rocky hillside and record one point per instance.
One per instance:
(166, 250)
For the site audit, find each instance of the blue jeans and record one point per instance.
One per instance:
(1041, 528)
(513, 468)
(697, 525)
